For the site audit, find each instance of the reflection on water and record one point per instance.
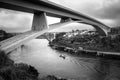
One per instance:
(48, 61)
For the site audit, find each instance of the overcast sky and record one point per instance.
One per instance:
(106, 11)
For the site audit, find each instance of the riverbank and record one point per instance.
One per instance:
(20, 71)
(88, 42)
(82, 52)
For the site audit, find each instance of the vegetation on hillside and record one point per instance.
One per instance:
(90, 40)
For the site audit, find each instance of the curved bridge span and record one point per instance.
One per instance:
(41, 9)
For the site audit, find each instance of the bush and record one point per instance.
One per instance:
(4, 60)
(27, 68)
(11, 71)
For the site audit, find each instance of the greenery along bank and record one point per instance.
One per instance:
(88, 40)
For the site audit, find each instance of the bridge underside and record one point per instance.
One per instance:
(40, 9)
(50, 9)
(102, 31)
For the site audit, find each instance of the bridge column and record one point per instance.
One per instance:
(65, 20)
(100, 30)
(39, 21)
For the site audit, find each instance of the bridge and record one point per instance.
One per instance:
(41, 9)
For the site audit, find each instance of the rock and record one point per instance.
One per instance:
(1, 78)
(11, 71)
(28, 69)
(8, 73)
(4, 60)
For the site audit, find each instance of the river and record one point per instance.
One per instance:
(47, 61)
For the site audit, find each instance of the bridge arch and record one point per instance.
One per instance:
(41, 9)
(102, 30)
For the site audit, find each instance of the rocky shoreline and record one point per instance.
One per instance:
(20, 71)
(81, 52)
(85, 42)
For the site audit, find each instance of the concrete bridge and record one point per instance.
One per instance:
(41, 9)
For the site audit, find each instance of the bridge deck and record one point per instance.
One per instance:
(11, 43)
(14, 42)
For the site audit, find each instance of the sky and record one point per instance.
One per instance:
(106, 11)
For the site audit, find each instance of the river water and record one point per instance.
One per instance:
(47, 61)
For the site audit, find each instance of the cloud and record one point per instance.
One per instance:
(110, 10)
(104, 10)
(14, 21)
(52, 20)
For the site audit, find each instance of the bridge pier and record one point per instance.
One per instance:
(39, 21)
(100, 30)
(103, 31)
(16, 51)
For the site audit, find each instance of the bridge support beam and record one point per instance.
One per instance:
(39, 21)
(100, 30)
(65, 20)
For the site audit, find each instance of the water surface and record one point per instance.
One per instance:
(47, 61)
